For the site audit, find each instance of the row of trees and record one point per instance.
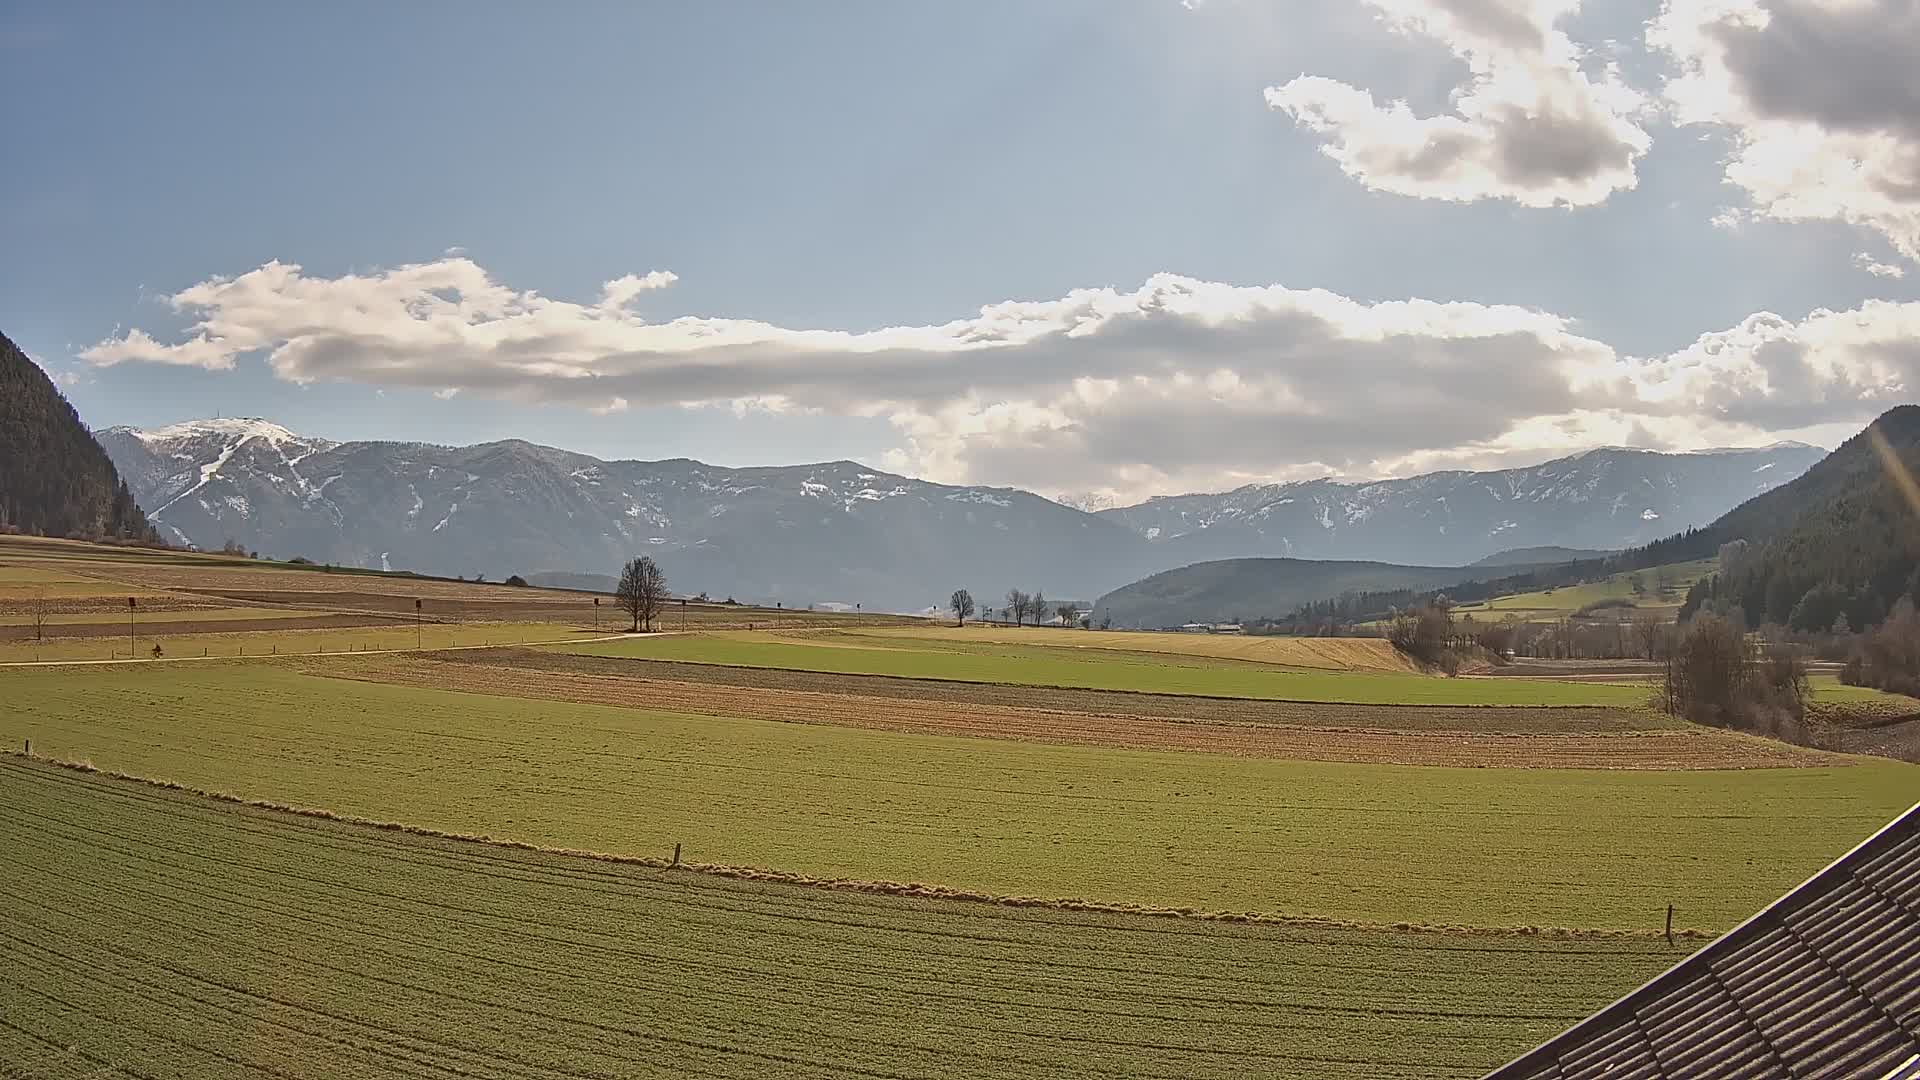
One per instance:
(1021, 607)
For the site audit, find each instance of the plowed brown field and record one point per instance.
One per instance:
(1642, 750)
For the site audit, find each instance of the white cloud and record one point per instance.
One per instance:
(621, 291)
(1871, 265)
(1820, 100)
(1535, 122)
(1178, 384)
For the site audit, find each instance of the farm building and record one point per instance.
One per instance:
(1825, 982)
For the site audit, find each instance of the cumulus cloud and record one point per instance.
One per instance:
(1819, 98)
(1177, 384)
(1535, 122)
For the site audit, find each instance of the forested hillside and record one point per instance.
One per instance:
(1840, 543)
(55, 480)
(1837, 547)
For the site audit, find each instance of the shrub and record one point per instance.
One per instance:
(1715, 675)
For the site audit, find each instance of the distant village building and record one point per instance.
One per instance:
(1825, 982)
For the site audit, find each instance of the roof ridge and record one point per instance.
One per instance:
(1903, 829)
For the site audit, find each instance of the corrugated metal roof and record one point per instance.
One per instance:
(1825, 982)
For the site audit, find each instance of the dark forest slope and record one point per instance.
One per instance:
(54, 478)
(1844, 539)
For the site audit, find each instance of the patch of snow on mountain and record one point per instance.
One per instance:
(1153, 533)
(985, 498)
(1649, 515)
(1767, 466)
(241, 428)
(451, 510)
(419, 503)
(207, 472)
(813, 490)
(238, 504)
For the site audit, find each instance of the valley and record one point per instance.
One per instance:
(899, 793)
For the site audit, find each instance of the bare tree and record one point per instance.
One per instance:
(962, 605)
(1066, 613)
(1037, 607)
(1715, 675)
(642, 591)
(1017, 605)
(1647, 632)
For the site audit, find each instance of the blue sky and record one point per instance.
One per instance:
(855, 167)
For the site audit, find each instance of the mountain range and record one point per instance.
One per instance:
(1613, 498)
(843, 532)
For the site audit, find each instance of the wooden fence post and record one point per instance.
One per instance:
(1669, 924)
(676, 854)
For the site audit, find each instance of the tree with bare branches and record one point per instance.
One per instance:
(962, 605)
(642, 591)
(1017, 605)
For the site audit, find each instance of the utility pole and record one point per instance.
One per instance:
(130, 609)
(417, 632)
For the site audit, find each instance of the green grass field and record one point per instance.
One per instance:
(1553, 603)
(171, 935)
(934, 657)
(1371, 843)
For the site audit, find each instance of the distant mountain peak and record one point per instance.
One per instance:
(245, 427)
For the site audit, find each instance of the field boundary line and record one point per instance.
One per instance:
(347, 652)
(910, 890)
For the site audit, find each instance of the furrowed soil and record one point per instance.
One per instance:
(1694, 749)
(155, 933)
(1371, 843)
(1514, 719)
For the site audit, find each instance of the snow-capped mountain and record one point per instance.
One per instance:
(842, 532)
(1606, 498)
(801, 534)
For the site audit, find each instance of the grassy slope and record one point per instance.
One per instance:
(931, 658)
(165, 932)
(1552, 603)
(1362, 842)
